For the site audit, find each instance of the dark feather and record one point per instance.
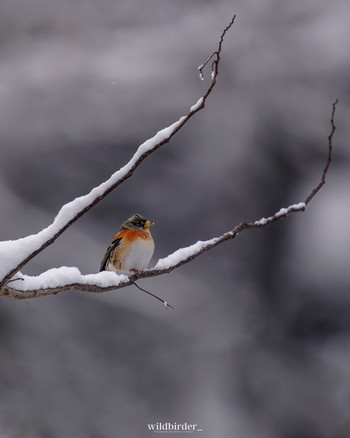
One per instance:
(108, 253)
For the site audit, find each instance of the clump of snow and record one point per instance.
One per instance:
(281, 212)
(183, 253)
(196, 105)
(65, 276)
(200, 68)
(262, 221)
(300, 206)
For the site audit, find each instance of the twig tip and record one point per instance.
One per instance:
(168, 306)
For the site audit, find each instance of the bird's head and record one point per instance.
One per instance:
(137, 222)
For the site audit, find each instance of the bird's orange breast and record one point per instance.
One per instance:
(131, 235)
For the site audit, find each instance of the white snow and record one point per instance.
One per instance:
(196, 105)
(183, 253)
(13, 252)
(262, 221)
(299, 206)
(200, 68)
(281, 212)
(65, 276)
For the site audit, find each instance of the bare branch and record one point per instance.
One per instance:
(87, 202)
(153, 295)
(216, 55)
(329, 156)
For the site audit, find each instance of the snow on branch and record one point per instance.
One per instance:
(63, 279)
(15, 254)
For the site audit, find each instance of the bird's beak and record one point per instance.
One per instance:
(148, 224)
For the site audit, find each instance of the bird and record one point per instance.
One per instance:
(131, 248)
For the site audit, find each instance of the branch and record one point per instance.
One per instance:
(25, 249)
(329, 157)
(70, 279)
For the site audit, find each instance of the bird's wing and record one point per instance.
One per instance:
(108, 253)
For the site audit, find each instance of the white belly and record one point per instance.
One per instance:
(137, 256)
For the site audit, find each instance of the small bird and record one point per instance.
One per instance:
(131, 248)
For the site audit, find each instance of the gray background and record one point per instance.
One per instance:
(259, 343)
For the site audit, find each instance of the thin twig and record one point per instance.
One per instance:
(167, 305)
(217, 53)
(329, 156)
(15, 279)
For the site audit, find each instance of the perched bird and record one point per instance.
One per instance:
(131, 248)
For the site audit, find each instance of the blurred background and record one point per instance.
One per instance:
(259, 342)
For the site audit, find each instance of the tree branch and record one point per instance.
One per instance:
(70, 279)
(329, 157)
(75, 209)
(107, 281)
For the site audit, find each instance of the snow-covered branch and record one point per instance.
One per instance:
(17, 253)
(69, 278)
